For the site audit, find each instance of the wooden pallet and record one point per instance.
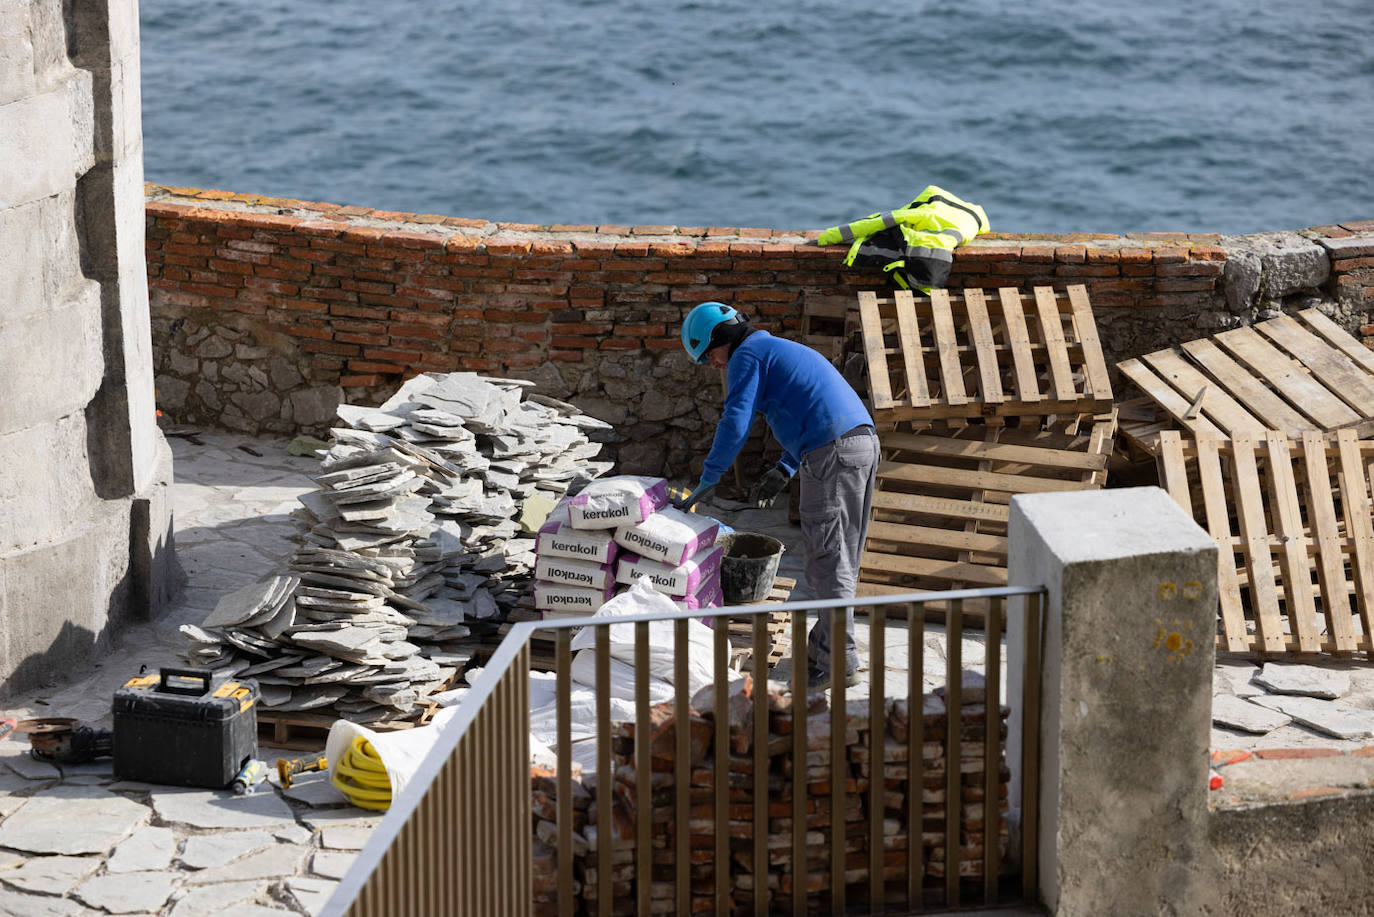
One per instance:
(779, 629)
(308, 731)
(1288, 374)
(1292, 521)
(824, 325)
(940, 507)
(972, 354)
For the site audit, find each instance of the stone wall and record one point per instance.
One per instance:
(85, 537)
(267, 311)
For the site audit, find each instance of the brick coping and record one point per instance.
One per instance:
(431, 230)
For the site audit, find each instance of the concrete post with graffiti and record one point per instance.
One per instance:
(1128, 652)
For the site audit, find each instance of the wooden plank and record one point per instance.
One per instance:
(926, 536)
(1219, 527)
(979, 450)
(873, 347)
(1299, 602)
(1339, 338)
(947, 346)
(909, 334)
(978, 574)
(940, 506)
(1259, 560)
(1052, 331)
(976, 480)
(1223, 410)
(1164, 395)
(984, 343)
(1355, 504)
(1173, 472)
(1321, 514)
(1273, 411)
(1099, 383)
(1027, 388)
(1282, 372)
(1336, 371)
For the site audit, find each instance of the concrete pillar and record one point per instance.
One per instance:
(85, 527)
(1129, 647)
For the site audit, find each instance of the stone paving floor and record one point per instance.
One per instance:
(74, 841)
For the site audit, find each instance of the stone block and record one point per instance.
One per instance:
(53, 360)
(1289, 263)
(48, 484)
(1126, 700)
(45, 139)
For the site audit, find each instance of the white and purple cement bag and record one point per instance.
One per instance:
(581, 573)
(710, 596)
(608, 503)
(557, 597)
(669, 535)
(685, 579)
(557, 538)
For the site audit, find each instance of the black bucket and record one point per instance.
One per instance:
(748, 566)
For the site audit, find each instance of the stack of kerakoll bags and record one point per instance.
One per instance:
(597, 543)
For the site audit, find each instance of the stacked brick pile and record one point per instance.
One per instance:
(857, 771)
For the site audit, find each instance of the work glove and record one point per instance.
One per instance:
(767, 488)
(701, 493)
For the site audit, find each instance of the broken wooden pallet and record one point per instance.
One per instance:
(974, 354)
(779, 629)
(1292, 521)
(1288, 374)
(941, 503)
(308, 731)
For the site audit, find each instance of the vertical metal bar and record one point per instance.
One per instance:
(563, 710)
(720, 812)
(1030, 751)
(604, 780)
(877, 753)
(915, 756)
(838, 727)
(992, 751)
(761, 653)
(682, 771)
(954, 708)
(485, 813)
(644, 797)
(524, 803)
(799, 768)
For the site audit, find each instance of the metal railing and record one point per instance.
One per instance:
(460, 839)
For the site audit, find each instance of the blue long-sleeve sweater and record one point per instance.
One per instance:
(804, 399)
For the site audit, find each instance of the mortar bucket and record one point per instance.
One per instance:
(748, 566)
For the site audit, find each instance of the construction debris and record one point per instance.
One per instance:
(411, 554)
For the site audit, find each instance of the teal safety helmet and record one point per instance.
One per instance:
(701, 323)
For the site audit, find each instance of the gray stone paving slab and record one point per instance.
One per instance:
(1239, 713)
(9, 859)
(316, 792)
(252, 910)
(310, 893)
(345, 837)
(72, 820)
(1234, 678)
(296, 834)
(332, 864)
(349, 815)
(129, 893)
(205, 851)
(22, 904)
(25, 765)
(147, 848)
(220, 809)
(50, 875)
(1333, 719)
(207, 900)
(276, 861)
(1308, 680)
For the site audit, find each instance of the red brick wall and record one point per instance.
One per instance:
(316, 298)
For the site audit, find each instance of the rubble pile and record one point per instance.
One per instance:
(411, 550)
(856, 773)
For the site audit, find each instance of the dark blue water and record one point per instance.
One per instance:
(1225, 116)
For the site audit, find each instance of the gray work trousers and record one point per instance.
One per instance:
(836, 499)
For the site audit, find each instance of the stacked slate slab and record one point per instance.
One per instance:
(410, 555)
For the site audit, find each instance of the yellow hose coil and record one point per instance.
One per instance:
(361, 776)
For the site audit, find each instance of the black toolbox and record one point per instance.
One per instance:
(185, 727)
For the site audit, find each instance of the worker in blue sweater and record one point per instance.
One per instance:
(825, 431)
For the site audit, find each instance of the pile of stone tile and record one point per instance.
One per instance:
(411, 550)
(899, 783)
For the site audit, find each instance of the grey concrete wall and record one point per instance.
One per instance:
(85, 529)
(1126, 682)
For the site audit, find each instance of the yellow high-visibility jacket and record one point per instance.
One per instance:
(914, 244)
